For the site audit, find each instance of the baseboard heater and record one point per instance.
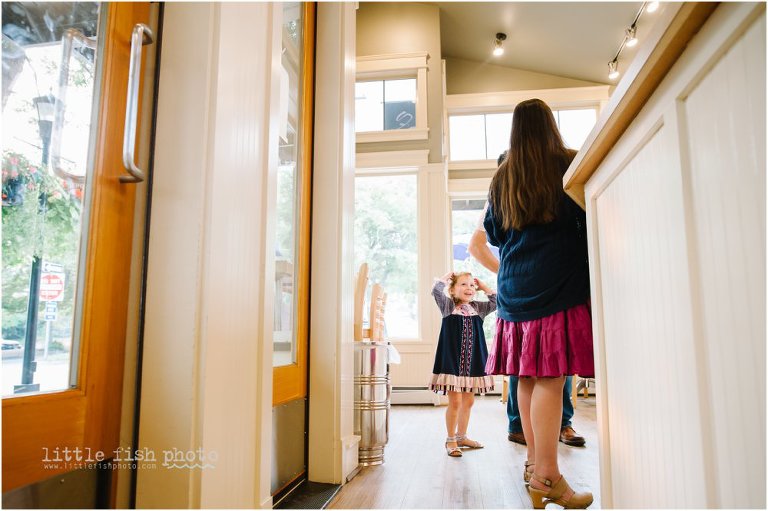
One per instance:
(404, 395)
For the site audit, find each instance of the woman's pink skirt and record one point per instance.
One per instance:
(552, 346)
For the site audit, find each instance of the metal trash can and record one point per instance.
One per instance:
(371, 396)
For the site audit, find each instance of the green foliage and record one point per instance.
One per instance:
(41, 217)
(385, 231)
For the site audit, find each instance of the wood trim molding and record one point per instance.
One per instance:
(369, 66)
(470, 187)
(487, 102)
(389, 159)
(473, 165)
(365, 137)
(652, 63)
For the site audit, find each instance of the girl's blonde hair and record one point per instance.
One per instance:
(452, 282)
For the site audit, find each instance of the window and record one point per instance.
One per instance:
(575, 125)
(386, 238)
(479, 137)
(486, 136)
(465, 215)
(391, 98)
(385, 105)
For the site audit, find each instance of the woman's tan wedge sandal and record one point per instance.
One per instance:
(527, 473)
(541, 498)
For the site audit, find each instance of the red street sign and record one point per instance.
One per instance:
(52, 287)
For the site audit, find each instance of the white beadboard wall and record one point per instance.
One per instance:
(726, 141)
(677, 251)
(333, 446)
(648, 336)
(207, 371)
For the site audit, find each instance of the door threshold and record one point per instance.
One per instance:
(309, 495)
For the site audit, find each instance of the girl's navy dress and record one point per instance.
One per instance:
(461, 350)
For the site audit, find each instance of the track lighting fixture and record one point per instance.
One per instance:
(630, 38)
(613, 70)
(498, 48)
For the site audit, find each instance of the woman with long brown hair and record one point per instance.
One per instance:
(544, 326)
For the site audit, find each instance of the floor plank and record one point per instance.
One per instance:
(417, 474)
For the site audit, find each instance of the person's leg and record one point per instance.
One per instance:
(513, 412)
(546, 481)
(465, 408)
(546, 411)
(525, 388)
(567, 403)
(452, 414)
(567, 435)
(467, 400)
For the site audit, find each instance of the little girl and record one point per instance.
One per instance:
(459, 369)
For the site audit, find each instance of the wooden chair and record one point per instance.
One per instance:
(375, 330)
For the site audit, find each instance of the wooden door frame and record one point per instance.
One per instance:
(290, 382)
(89, 415)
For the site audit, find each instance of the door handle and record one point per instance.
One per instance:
(59, 109)
(142, 35)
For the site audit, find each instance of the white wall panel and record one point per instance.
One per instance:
(207, 372)
(677, 254)
(725, 120)
(647, 333)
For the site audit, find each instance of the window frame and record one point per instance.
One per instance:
(504, 102)
(381, 170)
(399, 66)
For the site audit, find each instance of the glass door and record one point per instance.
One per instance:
(292, 243)
(294, 189)
(67, 217)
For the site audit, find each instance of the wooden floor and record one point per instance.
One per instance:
(417, 474)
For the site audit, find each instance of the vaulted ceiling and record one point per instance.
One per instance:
(571, 39)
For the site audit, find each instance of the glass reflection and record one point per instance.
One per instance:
(43, 204)
(288, 186)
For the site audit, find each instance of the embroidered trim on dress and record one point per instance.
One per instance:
(453, 383)
(465, 309)
(465, 357)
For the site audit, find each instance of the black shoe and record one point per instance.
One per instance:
(518, 438)
(569, 437)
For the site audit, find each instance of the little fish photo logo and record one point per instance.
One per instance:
(74, 458)
(177, 458)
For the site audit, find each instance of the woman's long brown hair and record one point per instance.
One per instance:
(528, 185)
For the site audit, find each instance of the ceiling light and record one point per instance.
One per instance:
(498, 49)
(613, 70)
(652, 7)
(631, 34)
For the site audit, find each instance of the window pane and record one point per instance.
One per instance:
(288, 184)
(369, 101)
(465, 218)
(399, 104)
(497, 129)
(575, 125)
(47, 113)
(467, 137)
(385, 238)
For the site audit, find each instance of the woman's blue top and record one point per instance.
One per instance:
(543, 268)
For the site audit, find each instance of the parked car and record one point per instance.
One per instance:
(12, 349)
